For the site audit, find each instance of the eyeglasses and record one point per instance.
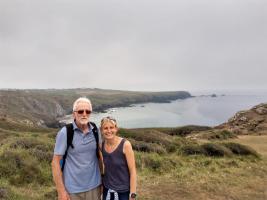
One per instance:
(80, 112)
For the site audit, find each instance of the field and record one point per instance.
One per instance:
(164, 170)
(198, 177)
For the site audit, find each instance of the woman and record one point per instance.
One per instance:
(119, 178)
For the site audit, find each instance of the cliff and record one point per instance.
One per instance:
(252, 121)
(44, 107)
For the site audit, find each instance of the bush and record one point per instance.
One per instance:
(147, 147)
(240, 149)
(192, 149)
(42, 155)
(24, 143)
(211, 149)
(186, 130)
(39, 150)
(155, 162)
(218, 135)
(20, 168)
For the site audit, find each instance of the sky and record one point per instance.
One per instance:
(141, 45)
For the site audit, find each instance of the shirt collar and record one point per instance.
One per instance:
(75, 127)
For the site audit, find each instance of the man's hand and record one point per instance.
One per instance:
(63, 196)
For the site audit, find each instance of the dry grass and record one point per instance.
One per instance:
(259, 143)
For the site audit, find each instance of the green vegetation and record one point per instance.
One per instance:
(217, 134)
(169, 166)
(43, 107)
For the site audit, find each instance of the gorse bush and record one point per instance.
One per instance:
(25, 143)
(185, 130)
(20, 168)
(193, 149)
(38, 149)
(148, 147)
(148, 140)
(218, 149)
(155, 162)
(217, 134)
(240, 149)
(213, 149)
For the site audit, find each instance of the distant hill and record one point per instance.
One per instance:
(44, 107)
(252, 121)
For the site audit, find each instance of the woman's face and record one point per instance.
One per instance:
(109, 130)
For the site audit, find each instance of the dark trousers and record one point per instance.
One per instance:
(122, 195)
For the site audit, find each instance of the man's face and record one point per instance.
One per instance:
(82, 113)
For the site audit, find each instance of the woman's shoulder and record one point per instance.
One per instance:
(127, 145)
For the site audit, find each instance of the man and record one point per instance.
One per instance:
(80, 178)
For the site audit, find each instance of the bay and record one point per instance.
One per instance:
(200, 110)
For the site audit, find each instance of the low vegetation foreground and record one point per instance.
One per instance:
(188, 162)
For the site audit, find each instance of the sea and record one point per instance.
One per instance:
(205, 110)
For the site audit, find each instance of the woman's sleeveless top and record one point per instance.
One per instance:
(117, 176)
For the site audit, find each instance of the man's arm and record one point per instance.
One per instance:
(58, 178)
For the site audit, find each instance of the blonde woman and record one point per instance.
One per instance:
(119, 180)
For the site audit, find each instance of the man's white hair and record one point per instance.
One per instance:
(81, 99)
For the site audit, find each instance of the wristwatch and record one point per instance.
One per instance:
(133, 195)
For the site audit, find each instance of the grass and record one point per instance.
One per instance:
(163, 170)
(201, 177)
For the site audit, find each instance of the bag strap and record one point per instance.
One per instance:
(95, 132)
(70, 133)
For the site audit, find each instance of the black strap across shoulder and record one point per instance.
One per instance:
(70, 133)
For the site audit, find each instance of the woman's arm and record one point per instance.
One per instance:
(129, 154)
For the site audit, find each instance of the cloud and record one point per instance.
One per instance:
(135, 45)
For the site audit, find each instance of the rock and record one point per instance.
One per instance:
(59, 112)
(41, 123)
(213, 95)
(261, 110)
(243, 119)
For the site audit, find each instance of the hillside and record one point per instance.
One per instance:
(44, 107)
(179, 163)
(252, 121)
(168, 165)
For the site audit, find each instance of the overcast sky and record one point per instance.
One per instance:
(134, 45)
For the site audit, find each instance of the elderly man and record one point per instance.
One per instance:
(75, 164)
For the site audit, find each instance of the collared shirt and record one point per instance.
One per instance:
(81, 170)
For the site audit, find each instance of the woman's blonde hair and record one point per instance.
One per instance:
(108, 119)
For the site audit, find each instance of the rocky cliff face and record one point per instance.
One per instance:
(253, 121)
(44, 107)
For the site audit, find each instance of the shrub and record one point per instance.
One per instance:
(42, 155)
(153, 162)
(147, 147)
(186, 130)
(240, 149)
(192, 149)
(20, 168)
(24, 143)
(217, 134)
(211, 149)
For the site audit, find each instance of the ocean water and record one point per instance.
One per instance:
(201, 110)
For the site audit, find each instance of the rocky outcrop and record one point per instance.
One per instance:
(253, 121)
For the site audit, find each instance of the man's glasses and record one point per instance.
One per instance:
(80, 112)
